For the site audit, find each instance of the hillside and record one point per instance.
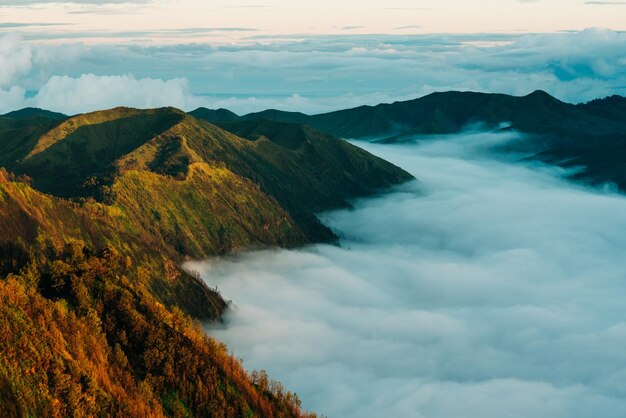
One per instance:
(591, 135)
(161, 182)
(97, 211)
(449, 112)
(88, 156)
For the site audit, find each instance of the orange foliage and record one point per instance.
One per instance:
(81, 335)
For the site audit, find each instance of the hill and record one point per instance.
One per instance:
(450, 112)
(30, 112)
(178, 186)
(591, 135)
(96, 213)
(91, 155)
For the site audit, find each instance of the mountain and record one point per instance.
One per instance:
(184, 187)
(30, 112)
(450, 112)
(222, 115)
(18, 135)
(88, 155)
(591, 135)
(98, 210)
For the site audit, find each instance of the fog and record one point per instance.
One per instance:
(490, 288)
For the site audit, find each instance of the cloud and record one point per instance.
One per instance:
(90, 92)
(606, 3)
(15, 60)
(490, 288)
(13, 25)
(323, 73)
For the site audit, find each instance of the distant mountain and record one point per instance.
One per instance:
(222, 115)
(30, 112)
(592, 135)
(450, 112)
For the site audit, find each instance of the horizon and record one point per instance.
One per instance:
(310, 114)
(84, 55)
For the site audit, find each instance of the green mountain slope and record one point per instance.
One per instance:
(86, 155)
(96, 213)
(161, 182)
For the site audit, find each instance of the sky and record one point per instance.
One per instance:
(487, 289)
(304, 56)
(224, 21)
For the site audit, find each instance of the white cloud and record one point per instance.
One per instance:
(90, 92)
(15, 59)
(12, 99)
(324, 73)
(488, 289)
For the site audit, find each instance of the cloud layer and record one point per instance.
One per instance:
(310, 74)
(488, 289)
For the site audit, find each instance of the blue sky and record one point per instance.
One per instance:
(247, 56)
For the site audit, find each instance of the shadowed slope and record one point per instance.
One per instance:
(591, 135)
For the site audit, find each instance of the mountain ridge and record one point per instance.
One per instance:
(97, 213)
(589, 135)
(232, 192)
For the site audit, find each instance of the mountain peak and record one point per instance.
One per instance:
(214, 115)
(542, 94)
(151, 120)
(29, 112)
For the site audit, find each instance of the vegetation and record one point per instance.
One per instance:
(97, 211)
(81, 336)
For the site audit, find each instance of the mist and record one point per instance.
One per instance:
(490, 288)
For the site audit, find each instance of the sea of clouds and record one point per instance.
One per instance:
(490, 288)
(300, 73)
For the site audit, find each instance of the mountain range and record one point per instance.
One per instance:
(98, 211)
(589, 135)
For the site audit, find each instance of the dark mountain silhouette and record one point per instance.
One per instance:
(29, 112)
(590, 135)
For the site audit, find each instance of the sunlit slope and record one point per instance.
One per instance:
(305, 170)
(97, 212)
(85, 147)
(298, 169)
(211, 211)
(32, 222)
(81, 336)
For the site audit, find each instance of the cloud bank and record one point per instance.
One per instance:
(488, 289)
(311, 74)
(90, 92)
